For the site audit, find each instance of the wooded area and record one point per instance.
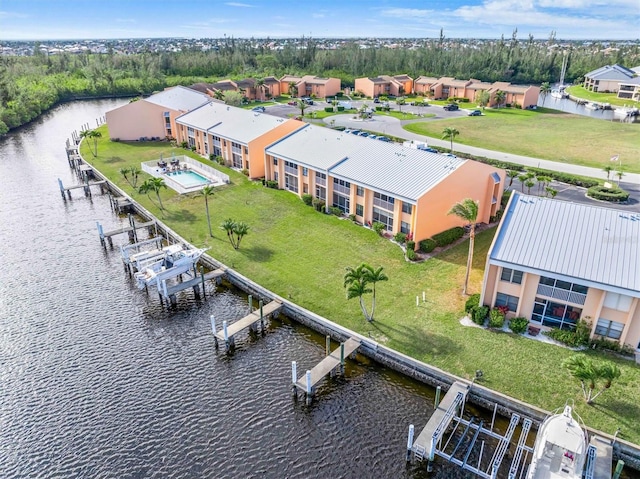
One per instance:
(32, 85)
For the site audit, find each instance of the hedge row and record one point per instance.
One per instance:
(615, 195)
(448, 236)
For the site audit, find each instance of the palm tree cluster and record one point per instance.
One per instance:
(362, 280)
(92, 135)
(131, 175)
(153, 185)
(595, 376)
(235, 231)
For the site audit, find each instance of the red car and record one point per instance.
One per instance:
(293, 103)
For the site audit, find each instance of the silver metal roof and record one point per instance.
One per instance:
(589, 244)
(179, 98)
(230, 122)
(316, 147)
(405, 173)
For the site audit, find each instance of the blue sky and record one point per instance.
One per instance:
(70, 19)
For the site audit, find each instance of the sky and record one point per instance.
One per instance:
(103, 19)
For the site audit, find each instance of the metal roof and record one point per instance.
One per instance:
(230, 122)
(316, 147)
(613, 72)
(405, 173)
(179, 98)
(589, 244)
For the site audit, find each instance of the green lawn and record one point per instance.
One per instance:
(547, 134)
(611, 98)
(301, 254)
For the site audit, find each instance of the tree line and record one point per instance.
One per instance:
(32, 85)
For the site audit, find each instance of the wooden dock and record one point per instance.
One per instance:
(425, 444)
(227, 333)
(168, 292)
(308, 382)
(106, 236)
(65, 191)
(599, 458)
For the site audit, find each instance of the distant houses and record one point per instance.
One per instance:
(556, 262)
(384, 85)
(615, 78)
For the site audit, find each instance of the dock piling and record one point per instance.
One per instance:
(100, 233)
(214, 328)
(410, 441)
(437, 401)
(309, 388)
(250, 301)
(327, 347)
(294, 375)
(225, 333)
(618, 471)
(261, 304)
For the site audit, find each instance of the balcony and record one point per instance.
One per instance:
(292, 170)
(561, 294)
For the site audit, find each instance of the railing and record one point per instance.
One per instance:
(345, 190)
(152, 168)
(383, 204)
(561, 294)
(321, 181)
(291, 170)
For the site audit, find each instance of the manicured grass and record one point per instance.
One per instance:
(301, 254)
(404, 115)
(547, 134)
(611, 98)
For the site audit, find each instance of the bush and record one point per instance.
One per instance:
(318, 204)
(352, 217)
(245, 172)
(307, 199)
(575, 338)
(472, 302)
(340, 108)
(614, 195)
(496, 319)
(400, 238)
(428, 245)
(378, 228)
(271, 184)
(448, 236)
(480, 314)
(220, 160)
(518, 325)
(610, 345)
(335, 211)
(411, 255)
(411, 245)
(328, 109)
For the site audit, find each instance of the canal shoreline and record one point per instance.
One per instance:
(411, 367)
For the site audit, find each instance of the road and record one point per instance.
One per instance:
(387, 125)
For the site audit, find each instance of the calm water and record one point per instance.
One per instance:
(569, 106)
(97, 380)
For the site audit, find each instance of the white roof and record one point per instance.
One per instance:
(230, 122)
(589, 244)
(316, 147)
(179, 98)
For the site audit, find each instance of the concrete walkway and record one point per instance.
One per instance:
(387, 125)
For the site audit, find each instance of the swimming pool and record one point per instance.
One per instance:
(188, 178)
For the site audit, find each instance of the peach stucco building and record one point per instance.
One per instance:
(310, 85)
(238, 136)
(384, 85)
(153, 117)
(406, 189)
(556, 262)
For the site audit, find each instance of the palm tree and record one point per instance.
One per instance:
(400, 101)
(450, 133)
(529, 184)
(218, 94)
(619, 174)
(292, 89)
(125, 172)
(228, 225)
(500, 97)
(608, 169)
(94, 135)
(522, 179)
(207, 191)
(303, 106)
(483, 97)
(592, 374)
(545, 89)
(512, 174)
(260, 86)
(355, 281)
(135, 172)
(155, 185)
(467, 210)
(551, 192)
(240, 230)
(374, 276)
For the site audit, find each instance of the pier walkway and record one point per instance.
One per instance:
(308, 382)
(228, 332)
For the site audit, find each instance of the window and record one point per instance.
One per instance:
(360, 191)
(507, 300)
(619, 302)
(405, 228)
(305, 171)
(305, 188)
(341, 186)
(406, 207)
(321, 192)
(383, 201)
(291, 182)
(384, 217)
(291, 168)
(562, 290)
(237, 160)
(359, 210)
(559, 315)
(511, 275)
(609, 329)
(321, 179)
(275, 161)
(341, 201)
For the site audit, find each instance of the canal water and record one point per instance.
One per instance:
(570, 106)
(97, 380)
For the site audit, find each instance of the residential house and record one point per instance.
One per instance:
(630, 89)
(153, 117)
(523, 95)
(423, 85)
(238, 136)
(407, 190)
(556, 262)
(448, 87)
(373, 87)
(271, 88)
(309, 85)
(607, 78)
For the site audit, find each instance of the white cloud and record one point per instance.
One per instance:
(237, 4)
(407, 12)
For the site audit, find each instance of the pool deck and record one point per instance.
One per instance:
(172, 170)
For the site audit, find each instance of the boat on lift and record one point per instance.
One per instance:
(173, 261)
(560, 449)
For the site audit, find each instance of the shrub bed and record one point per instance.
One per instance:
(448, 236)
(518, 325)
(318, 204)
(496, 319)
(428, 245)
(307, 199)
(472, 303)
(400, 238)
(575, 338)
(614, 195)
(480, 314)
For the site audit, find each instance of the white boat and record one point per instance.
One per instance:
(560, 449)
(592, 105)
(174, 261)
(559, 93)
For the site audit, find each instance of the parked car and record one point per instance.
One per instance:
(451, 107)
(430, 150)
(355, 132)
(363, 133)
(307, 100)
(293, 103)
(450, 155)
(376, 100)
(385, 138)
(260, 109)
(475, 113)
